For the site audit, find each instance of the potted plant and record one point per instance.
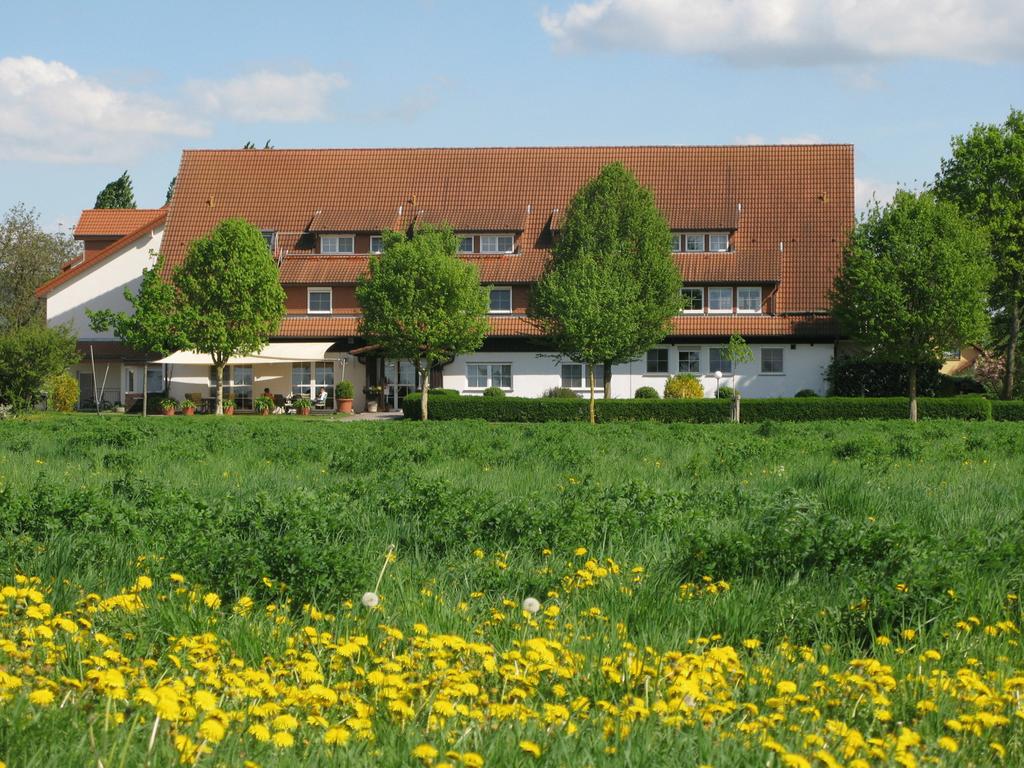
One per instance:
(372, 396)
(229, 406)
(263, 405)
(168, 406)
(303, 405)
(118, 408)
(188, 407)
(343, 393)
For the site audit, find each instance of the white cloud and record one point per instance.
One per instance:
(865, 189)
(269, 96)
(756, 138)
(50, 113)
(797, 32)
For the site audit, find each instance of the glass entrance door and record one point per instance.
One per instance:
(399, 380)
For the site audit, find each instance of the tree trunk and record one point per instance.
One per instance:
(590, 378)
(1011, 350)
(425, 389)
(607, 381)
(220, 389)
(913, 392)
(145, 387)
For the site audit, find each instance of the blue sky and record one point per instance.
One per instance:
(88, 90)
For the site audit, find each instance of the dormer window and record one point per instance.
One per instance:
(694, 242)
(718, 242)
(677, 242)
(693, 298)
(497, 243)
(376, 244)
(501, 301)
(748, 298)
(466, 244)
(318, 301)
(332, 244)
(271, 237)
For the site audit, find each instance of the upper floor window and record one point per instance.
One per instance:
(337, 244)
(718, 241)
(748, 299)
(501, 300)
(694, 241)
(720, 299)
(497, 243)
(466, 244)
(677, 242)
(693, 298)
(318, 301)
(376, 244)
(271, 237)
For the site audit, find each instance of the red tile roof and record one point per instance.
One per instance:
(799, 196)
(113, 222)
(155, 219)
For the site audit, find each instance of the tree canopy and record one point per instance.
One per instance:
(421, 302)
(914, 282)
(28, 257)
(117, 194)
(229, 299)
(29, 355)
(984, 176)
(611, 286)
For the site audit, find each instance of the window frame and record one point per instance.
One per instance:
(732, 300)
(703, 242)
(691, 310)
(678, 239)
(472, 243)
(380, 244)
(679, 360)
(660, 351)
(724, 363)
(718, 250)
(584, 376)
(271, 241)
(491, 290)
(319, 290)
(760, 299)
(497, 237)
(490, 377)
(337, 238)
(782, 361)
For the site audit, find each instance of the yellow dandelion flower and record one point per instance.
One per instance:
(530, 748)
(472, 760)
(283, 740)
(949, 744)
(786, 687)
(212, 729)
(212, 600)
(580, 551)
(752, 643)
(177, 578)
(259, 731)
(909, 634)
(425, 753)
(285, 723)
(42, 697)
(337, 735)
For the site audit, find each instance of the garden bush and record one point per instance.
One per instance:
(806, 393)
(683, 386)
(63, 389)
(725, 393)
(852, 377)
(494, 392)
(647, 393)
(562, 392)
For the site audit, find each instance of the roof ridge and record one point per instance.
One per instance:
(526, 147)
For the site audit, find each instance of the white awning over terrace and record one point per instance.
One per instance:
(276, 352)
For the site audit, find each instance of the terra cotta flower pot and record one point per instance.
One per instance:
(345, 405)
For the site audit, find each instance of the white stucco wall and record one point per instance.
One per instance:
(533, 373)
(102, 287)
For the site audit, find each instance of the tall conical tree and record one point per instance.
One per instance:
(117, 194)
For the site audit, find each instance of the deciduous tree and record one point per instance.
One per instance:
(611, 286)
(914, 282)
(422, 303)
(984, 176)
(29, 355)
(229, 299)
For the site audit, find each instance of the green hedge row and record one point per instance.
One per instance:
(1008, 410)
(703, 411)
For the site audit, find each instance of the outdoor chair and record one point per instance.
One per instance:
(321, 399)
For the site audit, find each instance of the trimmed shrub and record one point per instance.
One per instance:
(1007, 410)
(698, 411)
(851, 377)
(63, 392)
(494, 392)
(683, 386)
(806, 393)
(442, 391)
(561, 392)
(950, 386)
(344, 390)
(725, 393)
(647, 393)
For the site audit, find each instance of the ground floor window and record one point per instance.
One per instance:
(771, 360)
(154, 379)
(314, 381)
(689, 361)
(483, 375)
(237, 385)
(718, 360)
(574, 376)
(657, 360)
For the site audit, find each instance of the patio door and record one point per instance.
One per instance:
(86, 391)
(400, 378)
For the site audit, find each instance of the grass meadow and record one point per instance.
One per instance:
(188, 591)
